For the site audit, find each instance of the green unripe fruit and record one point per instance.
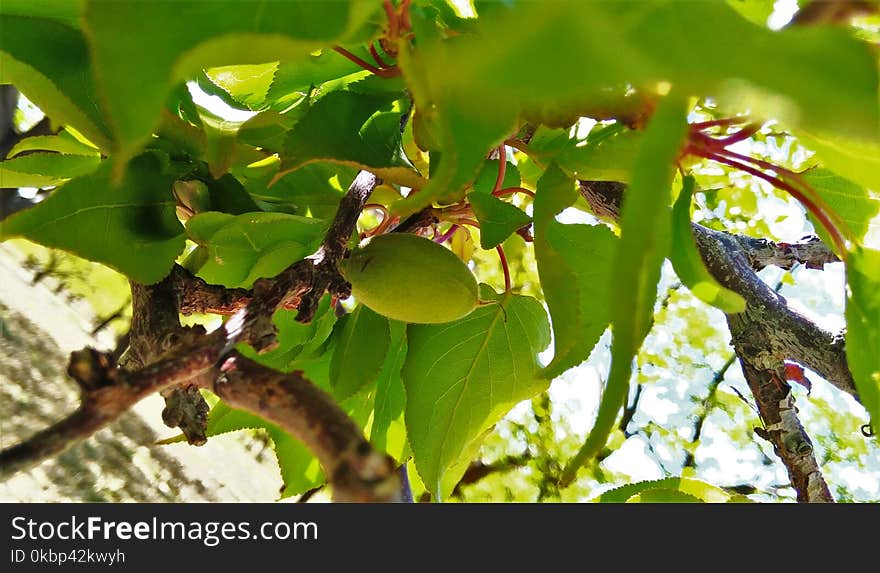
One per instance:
(410, 278)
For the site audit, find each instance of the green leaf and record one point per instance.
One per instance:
(465, 137)
(757, 11)
(463, 132)
(574, 264)
(471, 85)
(388, 430)
(853, 158)
(268, 129)
(462, 377)
(174, 41)
(663, 495)
(857, 206)
(292, 79)
(643, 246)
(66, 11)
(221, 143)
(693, 488)
(180, 134)
(64, 142)
(294, 338)
(246, 85)
(485, 181)
(229, 196)
(607, 45)
(246, 247)
(863, 327)
(353, 129)
(49, 62)
(131, 227)
(45, 169)
(498, 219)
(364, 340)
(687, 262)
(300, 470)
(606, 156)
(314, 189)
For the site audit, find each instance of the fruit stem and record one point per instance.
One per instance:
(447, 235)
(385, 73)
(502, 168)
(724, 122)
(470, 222)
(379, 61)
(512, 190)
(505, 268)
(504, 265)
(393, 21)
(744, 133)
(833, 230)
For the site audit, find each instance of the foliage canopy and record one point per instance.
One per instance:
(491, 124)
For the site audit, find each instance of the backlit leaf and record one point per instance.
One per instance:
(574, 263)
(853, 158)
(363, 343)
(687, 262)
(485, 181)
(641, 250)
(131, 227)
(388, 430)
(699, 490)
(353, 129)
(64, 142)
(663, 495)
(857, 206)
(246, 85)
(187, 36)
(49, 61)
(246, 247)
(462, 377)
(41, 169)
(498, 219)
(863, 327)
(294, 338)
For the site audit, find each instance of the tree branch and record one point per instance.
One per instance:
(164, 356)
(705, 407)
(795, 336)
(356, 471)
(791, 335)
(156, 331)
(478, 470)
(194, 295)
(810, 252)
(765, 334)
(304, 283)
(106, 392)
(765, 374)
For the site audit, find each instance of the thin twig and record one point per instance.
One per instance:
(304, 283)
(706, 407)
